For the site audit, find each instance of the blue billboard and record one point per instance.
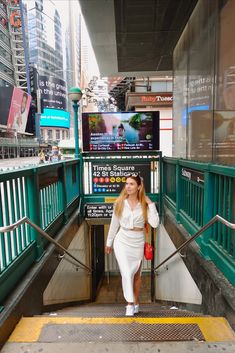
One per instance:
(55, 118)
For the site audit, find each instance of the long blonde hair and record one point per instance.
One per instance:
(119, 204)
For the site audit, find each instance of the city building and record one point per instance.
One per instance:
(13, 52)
(15, 99)
(45, 37)
(6, 64)
(73, 53)
(81, 66)
(46, 60)
(154, 94)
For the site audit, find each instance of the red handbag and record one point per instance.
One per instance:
(148, 251)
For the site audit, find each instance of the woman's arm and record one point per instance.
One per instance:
(153, 217)
(114, 226)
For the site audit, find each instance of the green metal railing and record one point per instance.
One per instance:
(195, 193)
(46, 194)
(25, 220)
(216, 219)
(51, 203)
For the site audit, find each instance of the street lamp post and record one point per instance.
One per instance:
(75, 94)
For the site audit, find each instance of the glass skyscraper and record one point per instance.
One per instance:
(45, 37)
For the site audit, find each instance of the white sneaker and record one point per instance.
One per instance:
(130, 310)
(136, 309)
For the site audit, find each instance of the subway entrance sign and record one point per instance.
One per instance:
(99, 210)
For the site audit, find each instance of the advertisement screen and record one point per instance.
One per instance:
(53, 92)
(128, 131)
(55, 117)
(19, 110)
(5, 102)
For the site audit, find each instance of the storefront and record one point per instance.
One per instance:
(161, 102)
(204, 85)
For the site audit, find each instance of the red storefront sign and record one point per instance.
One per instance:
(149, 99)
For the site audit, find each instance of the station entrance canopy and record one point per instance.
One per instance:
(135, 36)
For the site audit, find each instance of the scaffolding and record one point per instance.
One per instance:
(18, 43)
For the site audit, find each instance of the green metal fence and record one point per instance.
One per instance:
(47, 194)
(195, 192)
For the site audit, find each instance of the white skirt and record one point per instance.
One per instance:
(129, 251)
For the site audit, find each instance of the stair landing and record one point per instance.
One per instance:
(104, 328)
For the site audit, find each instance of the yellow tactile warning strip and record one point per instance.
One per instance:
(214, 329)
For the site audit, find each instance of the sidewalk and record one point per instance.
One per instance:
(13, 163)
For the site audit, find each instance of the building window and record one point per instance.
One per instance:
(57, 134)
(49, 134)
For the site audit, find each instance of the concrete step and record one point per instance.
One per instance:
(118, 310)
(119, 347)
(104, 328)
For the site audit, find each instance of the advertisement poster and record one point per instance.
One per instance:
(19, 110)
(53, 92)
(110, 178)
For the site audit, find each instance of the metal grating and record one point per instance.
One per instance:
(146, 310)
(133, 332)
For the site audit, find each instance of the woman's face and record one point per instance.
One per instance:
(131, 186)
(23, 104)
(120, 131)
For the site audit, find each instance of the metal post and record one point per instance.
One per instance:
(75, 109)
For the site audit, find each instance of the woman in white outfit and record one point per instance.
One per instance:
(132, 210)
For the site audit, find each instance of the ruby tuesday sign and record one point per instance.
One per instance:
(159, 98)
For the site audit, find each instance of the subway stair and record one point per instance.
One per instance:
(104, 328)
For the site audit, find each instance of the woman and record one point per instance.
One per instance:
(120, 136)
(132, 210)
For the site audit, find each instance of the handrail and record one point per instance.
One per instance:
(47, 236)
(206, 226)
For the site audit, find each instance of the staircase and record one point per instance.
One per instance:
(104, 328)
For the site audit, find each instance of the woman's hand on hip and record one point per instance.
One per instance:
(108, 249)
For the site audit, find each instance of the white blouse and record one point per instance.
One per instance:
(131, 219)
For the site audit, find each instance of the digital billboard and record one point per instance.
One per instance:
(116, 131)
(55, 118)
(53, 92)
(5, 102)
